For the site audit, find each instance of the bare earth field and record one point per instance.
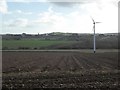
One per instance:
(64, 69)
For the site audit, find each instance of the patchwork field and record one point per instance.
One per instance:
(57, 40)
(33, 44)
(60, 69)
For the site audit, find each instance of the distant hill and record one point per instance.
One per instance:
(80, 41)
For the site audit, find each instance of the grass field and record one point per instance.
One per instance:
(31, 44)
(63, 69)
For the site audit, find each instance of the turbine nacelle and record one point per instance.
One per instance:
(94, 21)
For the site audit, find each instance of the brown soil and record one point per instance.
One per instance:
(60, 70)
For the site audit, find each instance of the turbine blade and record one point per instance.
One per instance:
(92, 19)
(97, 22)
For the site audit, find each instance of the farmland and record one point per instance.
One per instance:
(58, 41)
(65, 69)
(31, 44)
(59, 60)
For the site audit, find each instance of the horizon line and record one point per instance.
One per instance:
(60, 32)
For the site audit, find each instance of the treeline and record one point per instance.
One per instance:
(80, 41)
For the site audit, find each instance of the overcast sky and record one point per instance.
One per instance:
(45, 16)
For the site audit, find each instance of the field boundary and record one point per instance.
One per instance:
(62, 50)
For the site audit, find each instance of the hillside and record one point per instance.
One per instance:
(58, 40)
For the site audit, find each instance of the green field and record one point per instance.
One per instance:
(32, 44)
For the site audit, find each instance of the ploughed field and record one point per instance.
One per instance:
(59, 69)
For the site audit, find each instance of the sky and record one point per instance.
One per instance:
(46, 16)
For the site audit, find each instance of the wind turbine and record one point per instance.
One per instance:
(94, 41)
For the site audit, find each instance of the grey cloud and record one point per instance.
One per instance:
(68, 3)
(18, 23)
(65, 4)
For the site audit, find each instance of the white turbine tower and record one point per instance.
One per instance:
(94, 41)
